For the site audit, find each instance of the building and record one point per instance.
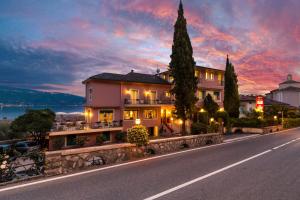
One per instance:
(287, 92)
(115, 102)
(248, 104)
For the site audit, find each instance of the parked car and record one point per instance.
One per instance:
(4, 148)
(26, 146)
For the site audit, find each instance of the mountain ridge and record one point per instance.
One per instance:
(28, 97)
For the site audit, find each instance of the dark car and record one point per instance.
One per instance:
(26, 146)
(5, 148)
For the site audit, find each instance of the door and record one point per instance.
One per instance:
(134, 96)
(152, 97)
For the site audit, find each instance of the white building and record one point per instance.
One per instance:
(287, 92)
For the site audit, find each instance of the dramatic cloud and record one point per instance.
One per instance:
(55, 45)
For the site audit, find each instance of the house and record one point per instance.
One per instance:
(287, 92)
(116, 102)
(248, 104)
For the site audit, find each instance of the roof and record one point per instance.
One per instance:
(290, 88)
(289, 82)
(200, 67)
(209, 68)
(267, 101)
(130, 77)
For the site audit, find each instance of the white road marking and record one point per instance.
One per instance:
(205, 176)
(215, 172)
(122, 164)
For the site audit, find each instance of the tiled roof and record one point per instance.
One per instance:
(290, 88)
(130, 77)
(209, 68)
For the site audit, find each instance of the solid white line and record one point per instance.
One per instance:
(205, 176)
(242, 138)
(119, 165)
(108, 167)
(215, 172)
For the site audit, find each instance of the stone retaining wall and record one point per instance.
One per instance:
(65, 161)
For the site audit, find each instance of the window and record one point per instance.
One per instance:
(217, 95)
(212, 76)
(168, 94)
(197, 73)
(201, 94)
(206, 75)
(71, 140)
(171, 79)
(130, 114)
(106, 115)
(220, 78)
(150, 114)
(90, 94)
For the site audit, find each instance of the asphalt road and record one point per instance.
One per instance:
(265, 167)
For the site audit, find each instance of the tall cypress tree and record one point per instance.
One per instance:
(182, 68)
(231, 93)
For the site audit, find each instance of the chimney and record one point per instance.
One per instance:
(132, 71)
(289, 77)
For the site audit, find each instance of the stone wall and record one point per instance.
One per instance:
(264, 130)
(65, 161)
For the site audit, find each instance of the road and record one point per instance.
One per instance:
(265, 167)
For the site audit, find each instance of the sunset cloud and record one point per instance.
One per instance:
(55, 45)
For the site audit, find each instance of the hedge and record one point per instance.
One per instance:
(291, 122)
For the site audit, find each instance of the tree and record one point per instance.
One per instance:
(210, 105)
(182, 69)
(231, 93)
(35, 122)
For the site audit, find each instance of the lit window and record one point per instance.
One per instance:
(212, 77)
(106, 115)
(196, 73)
(206, 75)
(171, 79)
(130, 114)
(150, 114)
(217, 96)
(168, 94)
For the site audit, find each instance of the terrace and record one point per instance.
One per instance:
(146, 102)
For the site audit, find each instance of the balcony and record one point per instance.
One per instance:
(144, 102)
(81, 127)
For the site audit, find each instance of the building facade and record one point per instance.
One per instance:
(287, 92)
(116, 98)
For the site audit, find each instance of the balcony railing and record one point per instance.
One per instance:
(81, 125)
(148, 102)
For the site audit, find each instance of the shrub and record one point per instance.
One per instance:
(198, 128)
(213, 128)
(101, 138)
(120, 137)
(58, 143)
(222, 115)
(138, 135)
(291, 122)
(81, 140)
(202, 117)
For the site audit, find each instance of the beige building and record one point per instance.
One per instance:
(287, 92)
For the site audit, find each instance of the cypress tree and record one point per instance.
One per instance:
(210, 105)
(231, 93)
(182, 68)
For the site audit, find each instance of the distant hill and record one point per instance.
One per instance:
(18, 96)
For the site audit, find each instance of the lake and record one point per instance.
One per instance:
(13, 112)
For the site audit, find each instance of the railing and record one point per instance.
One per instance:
(73, 126)
(147, 102)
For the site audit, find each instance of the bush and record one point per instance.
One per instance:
(198, 128)
(213, 128)
(138, 135)
(222, 115)
(120, 137)
(101, 138)
(202, 117)
(291, 122)
(81, 140)
(58, 143)
(253, 123)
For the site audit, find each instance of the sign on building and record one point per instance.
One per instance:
(260, 103)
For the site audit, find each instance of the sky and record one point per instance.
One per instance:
(54, 45)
